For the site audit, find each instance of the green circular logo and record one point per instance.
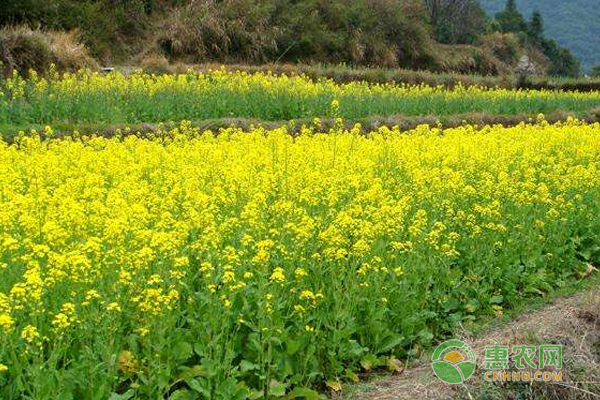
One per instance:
(453, 361)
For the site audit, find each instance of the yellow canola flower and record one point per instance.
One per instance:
(196, 219)
(113, 307)
(30, 334)
(60, 321)
(6, 322)
(278, 275)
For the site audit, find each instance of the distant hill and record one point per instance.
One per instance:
(574, 24)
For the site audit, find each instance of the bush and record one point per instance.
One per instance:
(23, 49)
(365, 32)
(204, 30)
(68, 54)
(505, 46)
(155, 64)
(112, 29)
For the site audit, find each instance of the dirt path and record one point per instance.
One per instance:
(573, 322)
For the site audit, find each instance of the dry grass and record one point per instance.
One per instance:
(156, 64)
(24, 49)
(68, 54)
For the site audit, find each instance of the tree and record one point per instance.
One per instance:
(595, 72)
(510, 19)
(535, 28)
(456, 21)
(563, 63)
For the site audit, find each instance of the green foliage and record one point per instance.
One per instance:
(382, 32)
(456, 21)
(573, 24)
(311, 30)
(531, 33)
(107, 27)
(535, 28)
(563, 62)
(399, 264)
(510, 19)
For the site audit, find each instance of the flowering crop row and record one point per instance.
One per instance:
(142, 98)
(259, 264)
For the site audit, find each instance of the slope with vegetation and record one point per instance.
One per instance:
(572, 23)
(440, 35)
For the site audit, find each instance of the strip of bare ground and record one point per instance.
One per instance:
(369, 124)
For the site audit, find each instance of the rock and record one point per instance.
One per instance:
(525, 66)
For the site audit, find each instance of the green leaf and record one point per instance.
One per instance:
(390, 342)
(368, 362)
(292, 346)
(182, 394)
(352, 376)
(334, 385)
(277, 389)
(305, 393)
(125, 396)
(182, 351)
(246, 366)
(198, 387)
(199, 349)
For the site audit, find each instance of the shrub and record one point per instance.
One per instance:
(68, 54)
(155, 64)
(505, 46)
(205, 30)
(22, 49)
(365, 32)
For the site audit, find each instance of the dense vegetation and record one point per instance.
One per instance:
(201, 260)
(260, 265)
(383, 32)
(572, 23)
(439, 35)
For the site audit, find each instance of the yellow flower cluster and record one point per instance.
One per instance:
(85, 82)
(211, 236)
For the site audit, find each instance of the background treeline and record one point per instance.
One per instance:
(435, 35)
(573, 23)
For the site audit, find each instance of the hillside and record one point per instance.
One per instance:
(573, 24)
(410, 34)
